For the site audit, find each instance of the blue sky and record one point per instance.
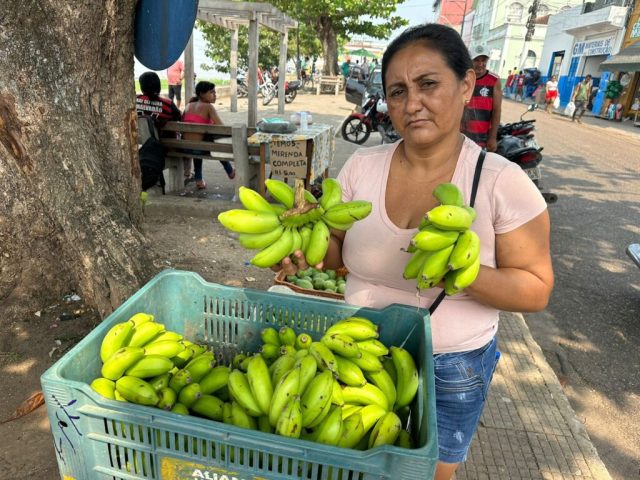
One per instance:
(416, 11)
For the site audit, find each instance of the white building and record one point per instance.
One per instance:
(577, 42)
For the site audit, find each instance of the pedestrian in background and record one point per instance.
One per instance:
(580, 97)
(519, 81)
(509, 83)
(175, 75)
(551, 93)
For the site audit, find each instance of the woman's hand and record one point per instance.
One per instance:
(292, 265)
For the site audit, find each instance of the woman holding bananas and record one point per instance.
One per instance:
(428, 78)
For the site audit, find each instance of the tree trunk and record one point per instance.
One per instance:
(329, 46)
(70, 214)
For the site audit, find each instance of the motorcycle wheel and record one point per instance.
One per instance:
(354, 130)
(288, 98)
(268, 96)
(242, 91)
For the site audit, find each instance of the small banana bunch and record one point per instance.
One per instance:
(297, 222)
(346, 389)
(445, 248)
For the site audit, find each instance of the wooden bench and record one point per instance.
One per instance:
(329, 81)
(229, 144)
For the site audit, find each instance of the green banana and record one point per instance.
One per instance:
(120, 361)
(289, 422)
(199, 366)
(189, 394)
(141, 317)
(348, 212)
(241, 393)
(356, 329)
(349, 409)
(472, 212)
(167, 398)
(450, 217)
(117, 337)
(260, 382)
(285, 389)
(159, 382)
(183, 357)
(280, 191)
(208, 406)
(164, 336)
(374, 346)
(385, 431)
(144, 333)
(269, 351)
(247, 221)
(368, 362)
(180, 409)
(308, 369)
(270, 335)
(258, 241)
(368, 394)
(264, 425)
(415, 263)
(303, 341)
(179, 380)
(227, 416)
(166, 348)
(325, 357)
(136, 390)
(370, 415)
(297, 240)
(336, 394)
(331, 193)
(275, 252)
(432, 238)
(316, 397)
(437, 264)
(287, 336)
(352, 431)
(150, 366)
(330, 429)
(341, 344)
(462, 278)
(338, 226)
(449, 194)
(318, 244)
(404, 440)
(384, 382)
(387, 363)
(252, 200)
(465, 251)
(288, 350)
(214, 380)
(407, 373)
(240, 417)
(362, 320)
(349, 373)
(305, 236)
(281, 366)
(104, 387)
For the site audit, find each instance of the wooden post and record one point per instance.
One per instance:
(233, 65)
(253, 70)
(282, 71)
(240, 157)
(188, 71)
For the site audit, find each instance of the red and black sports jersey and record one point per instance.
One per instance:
(477, 122)
(161, 109)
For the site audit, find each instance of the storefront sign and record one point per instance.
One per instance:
(635, 30)
(289, 158)
(589, 48)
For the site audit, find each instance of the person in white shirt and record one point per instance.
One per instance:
(551, 94)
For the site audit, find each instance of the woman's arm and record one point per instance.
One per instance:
(213, 115)
(523, 279)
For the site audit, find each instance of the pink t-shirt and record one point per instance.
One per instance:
(174, 73)
(373, 247)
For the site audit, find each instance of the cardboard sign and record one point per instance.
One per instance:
(289, 158)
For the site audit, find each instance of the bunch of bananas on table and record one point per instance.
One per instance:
(297, 222)
(445, 248)
(347, 389)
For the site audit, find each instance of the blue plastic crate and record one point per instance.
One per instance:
(96, 438)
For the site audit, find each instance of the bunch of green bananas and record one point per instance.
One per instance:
(445, 248)
(313, 279)
(346, 389)
(297, 222)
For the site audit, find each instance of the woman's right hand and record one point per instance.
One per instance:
(292, 265)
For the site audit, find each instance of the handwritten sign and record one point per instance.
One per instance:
(289, 158)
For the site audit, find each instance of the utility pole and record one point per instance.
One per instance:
(531, 28)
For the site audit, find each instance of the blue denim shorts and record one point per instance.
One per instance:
(462, 383)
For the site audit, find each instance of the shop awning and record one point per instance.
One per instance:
(628, 60)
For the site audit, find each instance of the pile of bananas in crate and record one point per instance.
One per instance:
(445, 248)
(298, 222)
(348, 389)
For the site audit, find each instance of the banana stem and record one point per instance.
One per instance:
(301, 206)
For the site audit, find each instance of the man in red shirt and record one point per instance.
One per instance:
(175, 75)
(150, 103)
(482, 116)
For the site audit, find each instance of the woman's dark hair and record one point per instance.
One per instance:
(202, 87)
(150, 84)
(440, 38)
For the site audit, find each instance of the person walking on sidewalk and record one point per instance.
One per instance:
(580, 98)
(482, 117)
(507, 85)
(175, 75)
(551, 94)
(427, 78)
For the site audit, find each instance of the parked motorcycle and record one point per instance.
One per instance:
(517, 143)
(242, 86)
(290, 92)
(358, 126)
